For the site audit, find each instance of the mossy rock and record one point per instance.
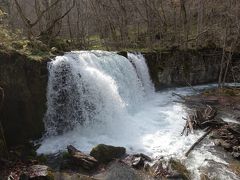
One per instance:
(176, 165)
(106, 153)
(24, 82)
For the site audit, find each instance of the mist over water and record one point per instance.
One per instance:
(101, 97)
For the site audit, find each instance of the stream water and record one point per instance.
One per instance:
(101, 97)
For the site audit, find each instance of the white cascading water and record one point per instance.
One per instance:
(91, 87)
(142, 71)
(101, 97)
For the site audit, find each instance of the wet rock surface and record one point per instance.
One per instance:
(179, 68)
(71, 176)
(136, 166)
(121, 171)
(24, 82)
(137, 161)
(80, 159)
(106, 153)
(40, 172)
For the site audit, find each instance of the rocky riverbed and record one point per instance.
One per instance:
(109, 162)
(104, 162)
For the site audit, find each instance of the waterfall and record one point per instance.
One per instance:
(142, 70)
(96, 97)
(88, 87)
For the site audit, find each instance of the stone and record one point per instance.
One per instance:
(106, 153)
(138, 162)
(54, 50)
(175, 68)
(147, 167)
(235, 167)
(204, 177)
(236, 148)
(40, 172)
(217, 142)
(226, 145)
(178, 168)
(236, 155)
(121, 171)
(71, 176)
(81, 159)
(144, 156)
(24, 81)
(175, 176)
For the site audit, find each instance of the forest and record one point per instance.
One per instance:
(126, 24)
(119, 89)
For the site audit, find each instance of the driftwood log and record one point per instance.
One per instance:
(200, 116)
(197, 142)
(201, 119)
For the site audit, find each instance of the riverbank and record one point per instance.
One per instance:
(216, 111)
(211, 160)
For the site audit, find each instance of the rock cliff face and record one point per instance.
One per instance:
(24, 82)
(180, 68)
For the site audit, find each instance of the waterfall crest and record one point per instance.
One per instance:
(87, 87)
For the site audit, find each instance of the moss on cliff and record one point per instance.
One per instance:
(176, 67)
(24, 82)
(33, 49)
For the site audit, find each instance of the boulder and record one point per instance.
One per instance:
(69, 176)
(138, 161)
(106, 153)
(236, 155)
(172, 169)
(121, 171)
(40, 172)
(80, 159)
(178, 169)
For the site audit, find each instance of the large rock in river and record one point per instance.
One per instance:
(106, 153)
(85, 161)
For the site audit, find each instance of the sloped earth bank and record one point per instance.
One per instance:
(155, 130)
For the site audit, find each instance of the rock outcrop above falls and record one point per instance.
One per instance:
(181, 68)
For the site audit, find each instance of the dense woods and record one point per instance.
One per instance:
(132, 24)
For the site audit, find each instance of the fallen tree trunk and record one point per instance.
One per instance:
(197, 142)
(179, 95)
